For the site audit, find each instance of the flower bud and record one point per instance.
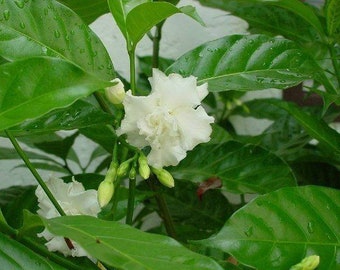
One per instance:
(143, 167)
(164, 177)
(308, 263)
(116, 93)
(132, 173)
(123, 168)
(105, 192)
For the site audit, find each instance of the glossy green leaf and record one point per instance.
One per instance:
(81, 114)
(245, 63)
(303, 11)
(15, 256)
(47, 28)
(314, 126)
(124, 247)
(279, 229)
(32, 87)
(143, 17)
(194, 216)
(120, 9)
(264, 18)
(88, 10)
(332, 11)
(241, 168)
(136, 18)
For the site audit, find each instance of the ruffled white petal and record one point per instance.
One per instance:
(194, 125)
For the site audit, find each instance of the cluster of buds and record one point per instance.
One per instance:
(128, 167)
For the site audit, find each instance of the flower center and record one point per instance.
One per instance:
(159, 126)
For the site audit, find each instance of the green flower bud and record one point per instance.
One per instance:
(143, 167)
(308, 263)
(164, 177)
(132, 173)
(105, 192)
(123, 168)
(111, 172)
(116, 93)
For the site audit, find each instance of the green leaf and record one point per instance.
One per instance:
(266, 19)
(136, 18)
(278, 230)
(332, 10)
(124, 247)
(81, 114)
(59, 148)
(32, 224)
(143, 17)
(32, 87)
(101, 134)
(241, 168)
(194, 217)
(246, 63)
(88, 10)
(47, 28)
(14, 200)
(10, 153)
(303, 11)
(46, 166)
(15, 256)
(314, 126)
(120, 9)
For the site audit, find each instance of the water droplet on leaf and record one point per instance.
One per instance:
(310, 227)
(249, 231)
(20, 3)
(56, 33)
(6, 14)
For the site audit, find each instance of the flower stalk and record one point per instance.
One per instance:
(35, 173)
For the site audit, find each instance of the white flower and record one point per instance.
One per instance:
(116, 93)
(170, 119)
(74, 200)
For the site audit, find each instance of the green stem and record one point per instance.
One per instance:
(35, 173)
(243, 199)
(156, 45)
(132, 70)
(131, 201)
(163, 207)
(102, 103)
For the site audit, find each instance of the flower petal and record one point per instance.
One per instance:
(194, 125)
(175, 91)
(168, 155)
(136, 108)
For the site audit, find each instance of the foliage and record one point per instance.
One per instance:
(53, 70)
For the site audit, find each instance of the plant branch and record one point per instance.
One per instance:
(34, 172)
(131, 201)
(132, 70)
(163, 207)
(156, 45)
